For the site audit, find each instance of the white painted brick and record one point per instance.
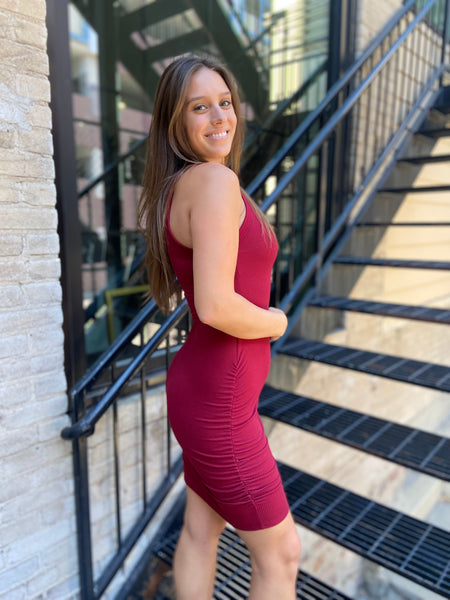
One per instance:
(35, 88)
(39, 116)
(42, 581)
(40, 318)
(38, 194)
(20, 572)
(13, 346)
(8, 137)
(22, 58)
(37, 141)
(13, 441)
(45, 386)
(10, 193)
(11, 244)
(45, 293)
(43, 341)
(15, 393)
(44, 269)
(18, 593)
(42, 243)
(25, 165)
(52, 428)
(12, 531)
(24, 219)
(34, 9)
(32, 34)
(63, 590)
(28, 546)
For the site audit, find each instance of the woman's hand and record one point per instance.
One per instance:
(283, 322)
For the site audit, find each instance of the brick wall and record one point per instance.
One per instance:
(38, 553)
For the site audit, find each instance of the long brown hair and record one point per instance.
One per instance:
(168, 155)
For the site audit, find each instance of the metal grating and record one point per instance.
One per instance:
(426, 159)
(435, 132)
(416, 190)
(403, 224)
(419, 313)
(412, 548)
(384, 365)
(365, 261)
(412, 448)
(234, 572)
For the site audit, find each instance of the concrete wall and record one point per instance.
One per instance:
(38, 550)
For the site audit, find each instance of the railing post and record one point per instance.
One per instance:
(84, 542)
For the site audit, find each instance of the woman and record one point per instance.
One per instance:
(205, 233)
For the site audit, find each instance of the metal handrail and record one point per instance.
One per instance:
(86, 425)
(330, 97)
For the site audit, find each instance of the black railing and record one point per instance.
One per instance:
(395, 79)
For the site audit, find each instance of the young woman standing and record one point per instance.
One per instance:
(204, 234)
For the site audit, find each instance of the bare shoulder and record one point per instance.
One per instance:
(208, 177)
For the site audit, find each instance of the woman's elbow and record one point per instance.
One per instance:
(210, 313)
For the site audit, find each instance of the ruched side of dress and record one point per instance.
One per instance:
(213, 387)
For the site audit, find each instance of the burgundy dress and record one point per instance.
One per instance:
(213, 386)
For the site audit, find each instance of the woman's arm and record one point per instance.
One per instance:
(215, 207)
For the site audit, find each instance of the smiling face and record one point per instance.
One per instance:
(209, 117)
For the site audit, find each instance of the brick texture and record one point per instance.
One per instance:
(38, 554)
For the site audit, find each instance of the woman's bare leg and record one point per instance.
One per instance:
(194, 564)
(274, 553)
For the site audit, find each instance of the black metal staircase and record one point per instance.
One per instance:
(414, 549)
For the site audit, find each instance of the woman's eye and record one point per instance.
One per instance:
(200, 107)
(226, 103)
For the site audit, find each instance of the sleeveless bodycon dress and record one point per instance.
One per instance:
(213, 387)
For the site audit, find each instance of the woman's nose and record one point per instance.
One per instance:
(217, 114)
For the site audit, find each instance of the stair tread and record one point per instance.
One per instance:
(393, 367)
(434, 131)
(403, 224)
(413, 448)
(410, 547)
(393, 262)
(403, 544)
(404, 311)
(425, 158)
(233, 570)
(416, 189)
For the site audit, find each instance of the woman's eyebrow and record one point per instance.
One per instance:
(197, 98)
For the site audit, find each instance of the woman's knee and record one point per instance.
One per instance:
(279, 557)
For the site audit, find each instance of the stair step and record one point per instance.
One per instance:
(425, 159)
(412, 548)
(415, 190)
(435, 132)
(419, 450)
(384, 365)
(403, 224)
(392, 262)
(403, 311)
(234, 571)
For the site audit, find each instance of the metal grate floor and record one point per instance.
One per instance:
(435, 132)
(416, 190)
(412, 448)
(412, 548)
(365, 261)
(384, 365)
(234, 571)
(404, 311)
(426, 159)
